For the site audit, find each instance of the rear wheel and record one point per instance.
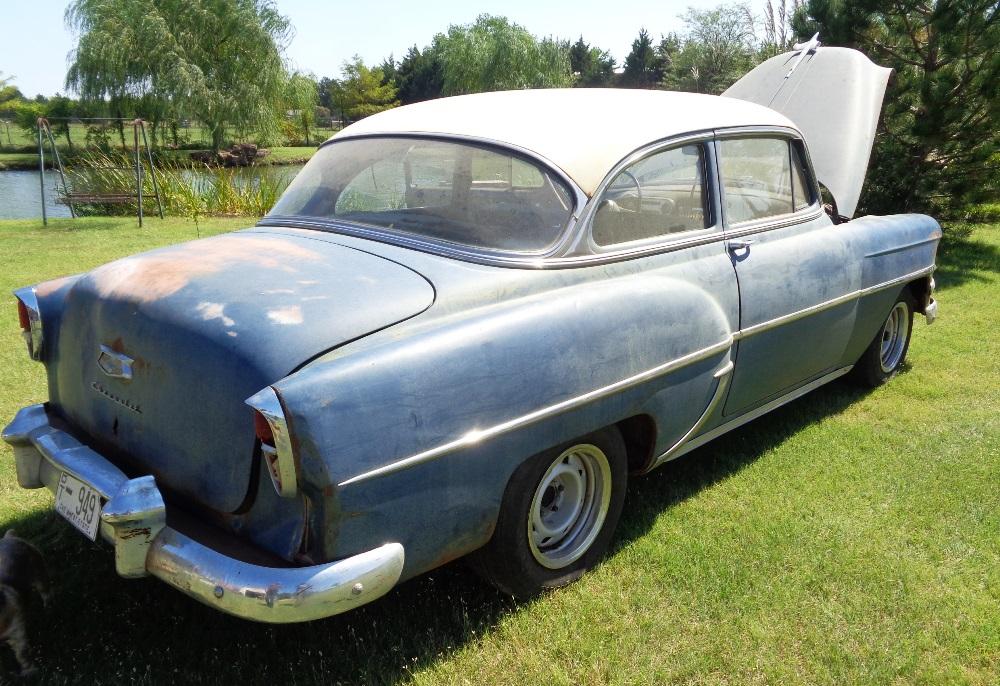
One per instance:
(558, 515)
(885, 355)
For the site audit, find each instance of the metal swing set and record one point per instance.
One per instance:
(83, 196)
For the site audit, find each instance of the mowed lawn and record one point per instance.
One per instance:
(848, 538)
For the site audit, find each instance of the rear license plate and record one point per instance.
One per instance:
(80, 504)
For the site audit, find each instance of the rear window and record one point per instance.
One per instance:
(456, 192)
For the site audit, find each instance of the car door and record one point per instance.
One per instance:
(657, 221)
(793, 267)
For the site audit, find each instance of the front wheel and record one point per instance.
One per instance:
(558, 515)
(883, 358)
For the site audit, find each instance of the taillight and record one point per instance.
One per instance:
(271, 429)
(263, 429)
(22, 316)
(30, 320)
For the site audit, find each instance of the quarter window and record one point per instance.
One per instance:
(762, 177)
(659, 195)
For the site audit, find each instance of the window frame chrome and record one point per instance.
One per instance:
(654, 244)
(576, 247)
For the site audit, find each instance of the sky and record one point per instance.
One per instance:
(36, 42)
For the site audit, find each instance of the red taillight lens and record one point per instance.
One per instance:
(22, 316)
(263, 429)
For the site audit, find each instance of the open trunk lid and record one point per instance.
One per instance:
(834, 96)
(200, 327)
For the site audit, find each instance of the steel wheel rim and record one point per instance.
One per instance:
(894, 335)
(569, 506)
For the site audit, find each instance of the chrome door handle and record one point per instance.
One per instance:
(740, 244)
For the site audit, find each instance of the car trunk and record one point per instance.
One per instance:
(203, 326)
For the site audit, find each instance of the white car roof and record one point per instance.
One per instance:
(582, 131)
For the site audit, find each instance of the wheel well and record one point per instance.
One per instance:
(639, 434)
(920, 289)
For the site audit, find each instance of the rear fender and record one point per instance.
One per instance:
(414, 440)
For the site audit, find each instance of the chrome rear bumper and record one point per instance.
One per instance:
(133, 520)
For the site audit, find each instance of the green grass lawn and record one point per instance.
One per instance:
(848, 538)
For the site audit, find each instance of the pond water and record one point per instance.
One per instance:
(20, 197)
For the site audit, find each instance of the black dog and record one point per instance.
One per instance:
(22, 573)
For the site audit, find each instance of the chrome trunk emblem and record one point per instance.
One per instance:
(115, 364)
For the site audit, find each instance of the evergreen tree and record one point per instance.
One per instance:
(643, 69)
(940, 131)
(591, 66)
(420, 75)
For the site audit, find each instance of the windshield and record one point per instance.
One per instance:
(457, 192)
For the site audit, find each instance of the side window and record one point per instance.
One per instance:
(658, 195)
(762, 177)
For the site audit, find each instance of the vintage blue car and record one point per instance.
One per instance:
(462, 328)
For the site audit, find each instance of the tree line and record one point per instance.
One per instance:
(939, 135)
(222, 63)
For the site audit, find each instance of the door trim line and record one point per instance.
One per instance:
(476, 436)
(723, 375)
(749, 416)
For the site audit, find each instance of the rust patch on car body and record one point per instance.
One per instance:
(150, 277)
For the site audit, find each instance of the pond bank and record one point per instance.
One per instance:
(232, 191)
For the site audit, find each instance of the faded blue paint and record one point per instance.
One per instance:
(208, 324)
(374, 365)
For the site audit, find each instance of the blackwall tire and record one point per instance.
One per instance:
(885, 355)
(558, 516)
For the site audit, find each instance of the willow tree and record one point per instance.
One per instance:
(218, 60)
(301, 97)
(496, 54)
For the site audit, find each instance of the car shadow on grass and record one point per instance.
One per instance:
(703, 467)
(961, 260)
(104, 629)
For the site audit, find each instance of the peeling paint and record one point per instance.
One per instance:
(286, 315)
(210, 311)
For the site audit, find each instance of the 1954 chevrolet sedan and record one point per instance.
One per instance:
(462, 327)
